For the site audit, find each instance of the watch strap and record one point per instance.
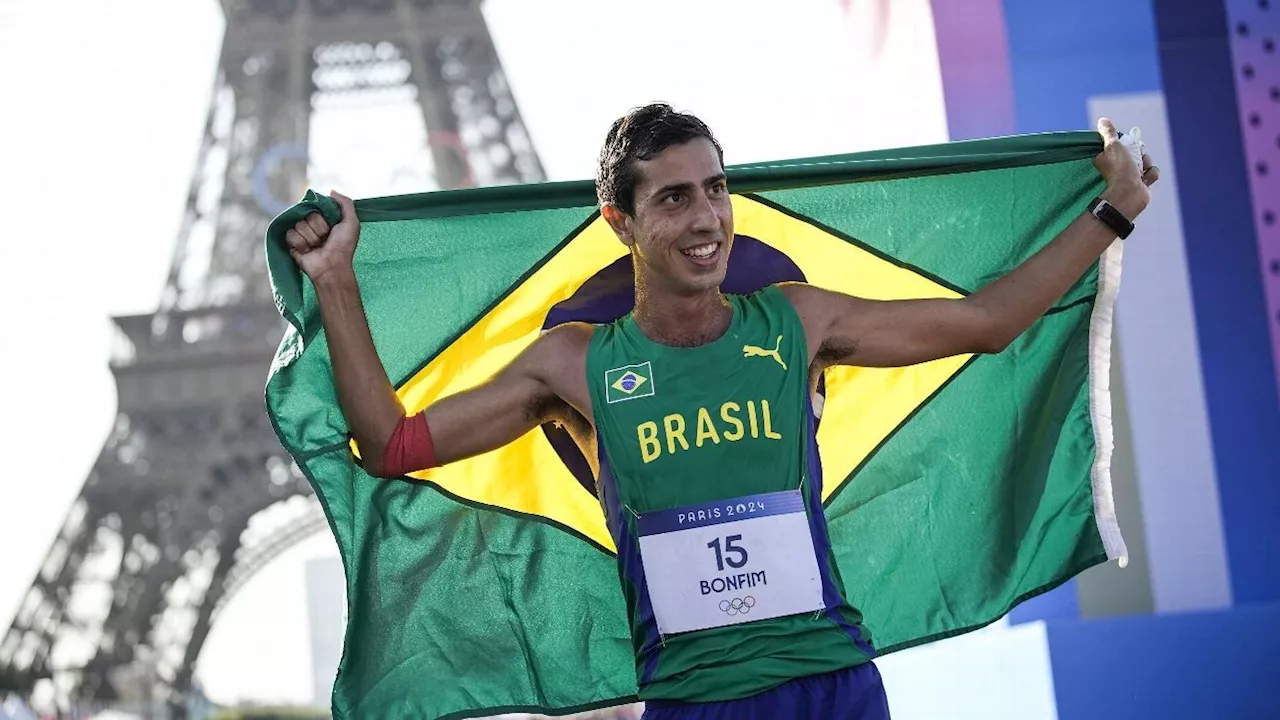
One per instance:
(1113, 218)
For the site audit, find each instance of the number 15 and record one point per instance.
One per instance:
(729, 549)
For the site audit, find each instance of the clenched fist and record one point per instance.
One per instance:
(319, 249)
(1124, 180)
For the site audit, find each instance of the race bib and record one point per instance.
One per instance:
(729, 562)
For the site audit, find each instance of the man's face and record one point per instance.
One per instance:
(683, 224)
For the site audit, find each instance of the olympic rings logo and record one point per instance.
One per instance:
(737, 606)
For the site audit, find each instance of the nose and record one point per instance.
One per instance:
(706, 216)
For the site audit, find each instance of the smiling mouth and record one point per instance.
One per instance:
(702, 253)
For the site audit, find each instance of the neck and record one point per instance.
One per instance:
(681, 320)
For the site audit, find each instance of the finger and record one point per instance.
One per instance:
(295, 242)
(348, 207)
(1107, 130)
(308, 235)
(1150, 176)
(1147, 163)
(316, 222)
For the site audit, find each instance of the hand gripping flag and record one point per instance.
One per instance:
(955, 489)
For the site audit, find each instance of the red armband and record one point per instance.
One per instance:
(410, 448)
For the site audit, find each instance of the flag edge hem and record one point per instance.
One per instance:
(1101, 324)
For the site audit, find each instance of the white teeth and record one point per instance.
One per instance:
(702, 251)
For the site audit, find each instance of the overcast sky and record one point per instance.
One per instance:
(104, 106)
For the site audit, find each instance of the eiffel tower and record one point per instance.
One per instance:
(191, 494)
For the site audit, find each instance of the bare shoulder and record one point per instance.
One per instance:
(553, 352)
(563, 345)
(815, 306)
(805, 298)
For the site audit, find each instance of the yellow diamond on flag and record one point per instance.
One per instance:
(629, 383)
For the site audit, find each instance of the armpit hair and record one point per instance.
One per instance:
(833, 352)
(546, 408)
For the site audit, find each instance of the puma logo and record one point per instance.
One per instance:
(753, 351)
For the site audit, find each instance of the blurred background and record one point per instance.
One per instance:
(160, 556)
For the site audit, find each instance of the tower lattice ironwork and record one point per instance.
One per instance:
(191, 493)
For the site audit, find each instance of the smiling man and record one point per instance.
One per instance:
(694, 413)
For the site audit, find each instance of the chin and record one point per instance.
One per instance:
(706, 281)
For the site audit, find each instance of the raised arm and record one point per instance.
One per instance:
(514, 401)
(845, 330)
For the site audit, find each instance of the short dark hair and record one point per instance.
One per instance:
(640, 135)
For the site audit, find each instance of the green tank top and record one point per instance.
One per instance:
(683, 427)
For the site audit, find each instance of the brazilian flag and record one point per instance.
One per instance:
(956, 488)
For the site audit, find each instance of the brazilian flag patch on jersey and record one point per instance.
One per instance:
(628, 383)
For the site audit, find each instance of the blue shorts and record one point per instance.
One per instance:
(855, 693)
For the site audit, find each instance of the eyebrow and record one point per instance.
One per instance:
(685, 187)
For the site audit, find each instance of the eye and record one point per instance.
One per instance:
(673, 198)
(719, 188)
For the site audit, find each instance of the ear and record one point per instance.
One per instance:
(620, 222)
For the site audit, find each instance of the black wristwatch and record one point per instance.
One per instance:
(1107, 213)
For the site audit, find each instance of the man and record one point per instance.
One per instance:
(716, 472)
